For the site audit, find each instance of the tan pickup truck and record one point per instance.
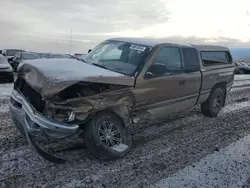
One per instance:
(116, 84)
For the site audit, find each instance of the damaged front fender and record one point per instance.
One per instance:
(119, 101)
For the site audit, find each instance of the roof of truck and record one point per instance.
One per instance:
(148, 41)
(154, 42)
(210, 47)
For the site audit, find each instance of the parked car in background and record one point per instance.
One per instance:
(10, 53)
(23, 56)
(42, 55)
(56, 56)
(242, 68)
(6, 72)
(122, 81)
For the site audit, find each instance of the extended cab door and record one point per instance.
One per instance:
(164, 86)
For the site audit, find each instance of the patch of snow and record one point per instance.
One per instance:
(228, 168)
(120, 147)
(242, 77)
(235, 106)
(241, 82)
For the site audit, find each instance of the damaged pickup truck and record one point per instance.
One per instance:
(118, 82)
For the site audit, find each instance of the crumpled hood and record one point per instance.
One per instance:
(50, 76)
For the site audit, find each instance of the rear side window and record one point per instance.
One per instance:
(170, 57)
(214, 58)
(191, 59)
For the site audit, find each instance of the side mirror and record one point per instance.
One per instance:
(4, 54)
(156, 70)
(89, 50)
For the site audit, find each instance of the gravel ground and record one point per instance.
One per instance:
(160, 150)
(216, 170)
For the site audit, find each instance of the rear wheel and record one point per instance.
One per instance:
(214, 103)
(106, 137)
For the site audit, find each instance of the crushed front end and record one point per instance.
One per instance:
(64, 114)
(55, 99)
(27, 107)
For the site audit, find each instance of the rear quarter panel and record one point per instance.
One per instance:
(212, 75)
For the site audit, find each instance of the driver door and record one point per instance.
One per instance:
(160, 88)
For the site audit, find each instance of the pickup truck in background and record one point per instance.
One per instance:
(115, 85)
(242, 68)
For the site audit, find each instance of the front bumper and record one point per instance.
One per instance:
(32, 123)
(6, 75)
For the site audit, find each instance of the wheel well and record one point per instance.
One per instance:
(122, 112)
(222, 85)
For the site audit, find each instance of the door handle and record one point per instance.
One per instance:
(181, 82)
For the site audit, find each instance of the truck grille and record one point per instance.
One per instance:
(32, 96)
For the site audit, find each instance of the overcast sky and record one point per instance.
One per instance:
(44, 25)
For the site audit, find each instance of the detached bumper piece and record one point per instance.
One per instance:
(31, 122)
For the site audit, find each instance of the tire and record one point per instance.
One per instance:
(98, 143)
(214, 103)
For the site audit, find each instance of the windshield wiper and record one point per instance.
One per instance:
(82, 60)
(98, 65)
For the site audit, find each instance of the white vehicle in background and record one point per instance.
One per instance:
(56, 56)
(6, 72)
(10, 53)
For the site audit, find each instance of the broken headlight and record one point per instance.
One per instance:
(65, 116)
(71, 116)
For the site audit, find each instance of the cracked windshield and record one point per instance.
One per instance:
(125, 94)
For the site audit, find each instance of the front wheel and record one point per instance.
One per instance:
(214, 103)
(106, 137)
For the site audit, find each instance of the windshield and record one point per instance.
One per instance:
(30, 56)
(12, 52)
(121, 57)
(58, 56)
(3, 60)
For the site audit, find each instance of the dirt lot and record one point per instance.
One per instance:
(160, 150)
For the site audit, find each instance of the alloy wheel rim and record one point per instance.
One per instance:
(109, 134)
(217, 102)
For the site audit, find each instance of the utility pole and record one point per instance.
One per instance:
(70, 41)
